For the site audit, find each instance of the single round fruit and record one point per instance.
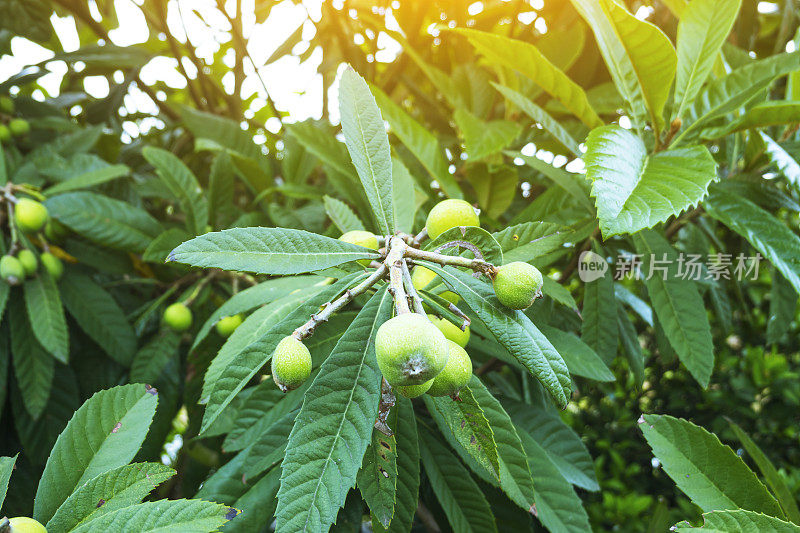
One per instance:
(518, 284)
(30, 215)
(5, 134)
(178, 317)
(19, 127)
(450, 331)
(291, 363)
(52, 265)
(6, 105)
(28, 260)
(23, 524)
(11, 270)
(361, 238)
(412, 391)
(410, 350)
(421, 277)
(456, 374)
(228, 324)
(450, 214)
(54, 230)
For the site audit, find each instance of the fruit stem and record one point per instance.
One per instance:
(478, 265)
(416, 300)
(458, 312)
(307, 329)
(11, 225)
(421, 236)
(394, 261)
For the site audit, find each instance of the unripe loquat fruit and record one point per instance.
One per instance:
(19, 127)
(450, 214)
(11, 270)
(30, 215)
(456, 374)
(5, 134)
(517, 284)
(178, 317)
(421, 277)
(52, 265)
(413, 391)
(28, 260)
(410, 350)
(226, 325)
(361, 238)
(450, 330)
(6, 105)
(23, 524)
(291, 363)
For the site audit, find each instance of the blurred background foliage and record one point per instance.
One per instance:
(254, 83)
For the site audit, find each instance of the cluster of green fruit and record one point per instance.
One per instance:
(30, 217)
(178, 317)
(420, 354)
(11, 128)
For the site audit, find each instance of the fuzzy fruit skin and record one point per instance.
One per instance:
(450, 214)
(23, 524)
(5, 134)
(19, 127)
(518, 284)
(30, 215)
(361, 238)
(414, 391)
(421, 277)
(52, 264)
(11, 270)
(6, 105)
(291, 363)
(410, 350)
(178, 317)
(456, 374)
(29, 262)
(450, 331)
(228, 324)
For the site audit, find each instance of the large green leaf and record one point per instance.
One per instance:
(782, 306)
(6, 468)
(773, 478)
(420, 141)
(703, 27)
(630, 344)
(530, 62)
(99, 316)
(252, 297)
(677, 304)
(726, 94)
(484, 138)
(652, 59)
(787, 164)
(515, 475)
(89, 179)
(514, 331)
(106, 221)
(598, 328)
(268, 251)
(529, 240)
(561, 444)
(539, 115)
(495, 187)
(766, 233)
(333, 429)
(467, 422)
(103, 434)
(462, 500)
(403, 196)
(773, 113)
(368, 145)
(33, 366)
(580, 358)
(634, 190)
(257, 505)
(46, 315)
(557, 505)
(477, 236)
(710, 473)
(377, 478)
(152, 358)
(182, 184)
(186, 516)
(269, 449)
(111, 490)
(341, 215)
(738, 522)
(404, 425)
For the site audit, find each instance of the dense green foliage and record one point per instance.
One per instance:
(643, 156)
